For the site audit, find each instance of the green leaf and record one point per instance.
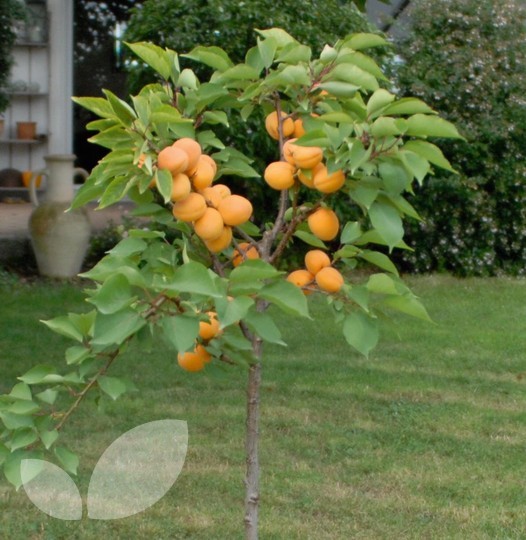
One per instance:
(340, 89)
(240, 72)
(395, 176)
(253, 270)
(380, 260)
(99, 106)
(215, 117)
(37, 374)
(21, 391)
(164, 182)
(382, 284)
(89, 191)
(12, 468)
(380, 99)
(188, 79)
(114, 329)
(68, 459)
(214, 57)
(114, 295)
(386, 220)
(22, 438)
(385, 126)
(112, 386)
(287, 297)
(267, 49)
(23, 407)
(128, 246)
(408, 304)
(364, 40)
(408, 106)
(425, 125)
(238, 167)
(236, 310)
(77, 354)
(122, 110)
(317, 137)
(65, 327)
(281, 37)
(354, 75)
(192, 277)
(294, 53)
(415, 164)
(181, 331)
(351, 232)
(48, 396)
(49, 438)
(264, 326)
(310, 239)
(154, 56)
(361, 332)
(431, 152)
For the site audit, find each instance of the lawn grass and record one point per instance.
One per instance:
(424, 440)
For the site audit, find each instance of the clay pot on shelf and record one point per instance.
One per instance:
(26, 130)
(59, 236)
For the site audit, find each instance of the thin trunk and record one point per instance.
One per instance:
(251, 446)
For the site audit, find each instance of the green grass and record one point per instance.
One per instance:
(425, 440)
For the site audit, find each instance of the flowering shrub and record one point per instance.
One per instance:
(466, 58)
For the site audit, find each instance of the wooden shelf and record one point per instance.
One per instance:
(24, 141)
(36, 44)
(27, 94)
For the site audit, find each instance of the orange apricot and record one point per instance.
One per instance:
(222, 242)
(235, 210)
(194, 360)
(245, 251)
(299, 129)
(328, 183)
(288, 151)
(204, 173)
(191, 208)
(307, 157)
(192, 149)
(301, 278)
(210, 225)
(279, 175)
(324, 223)
(271, 125)
(315, 260)
(329, 279)
(181, 187)
(172, 159)
(209, 330)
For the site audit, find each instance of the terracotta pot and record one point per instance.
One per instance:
(26, 130)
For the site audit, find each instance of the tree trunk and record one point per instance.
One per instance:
(251, 447)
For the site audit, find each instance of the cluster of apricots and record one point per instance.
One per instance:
(303, 164)
(212, 209)
(318, 274)
(198, 357)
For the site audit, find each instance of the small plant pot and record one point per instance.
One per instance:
(26, 130)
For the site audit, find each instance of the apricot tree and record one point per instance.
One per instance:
(338, 134)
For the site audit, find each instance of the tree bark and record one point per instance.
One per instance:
(251, 446)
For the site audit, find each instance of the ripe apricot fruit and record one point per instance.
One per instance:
(328, 183)
(299, 130)
(279, 175)
(210, 225)
(172, 159)
(307, 157)
(301, 278)
(194, 360)
(329, 279)
(235, 210)
(192, 149)
(209, 330)
(191, 208)
(204, 173)
(210, 160)
(246, 251)
(324, 224)
(315, 260)
(212, 197)
(306, 176)
(288, 151)
(271, 125)
(181, 187)
(224, 191)
(221, 243)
